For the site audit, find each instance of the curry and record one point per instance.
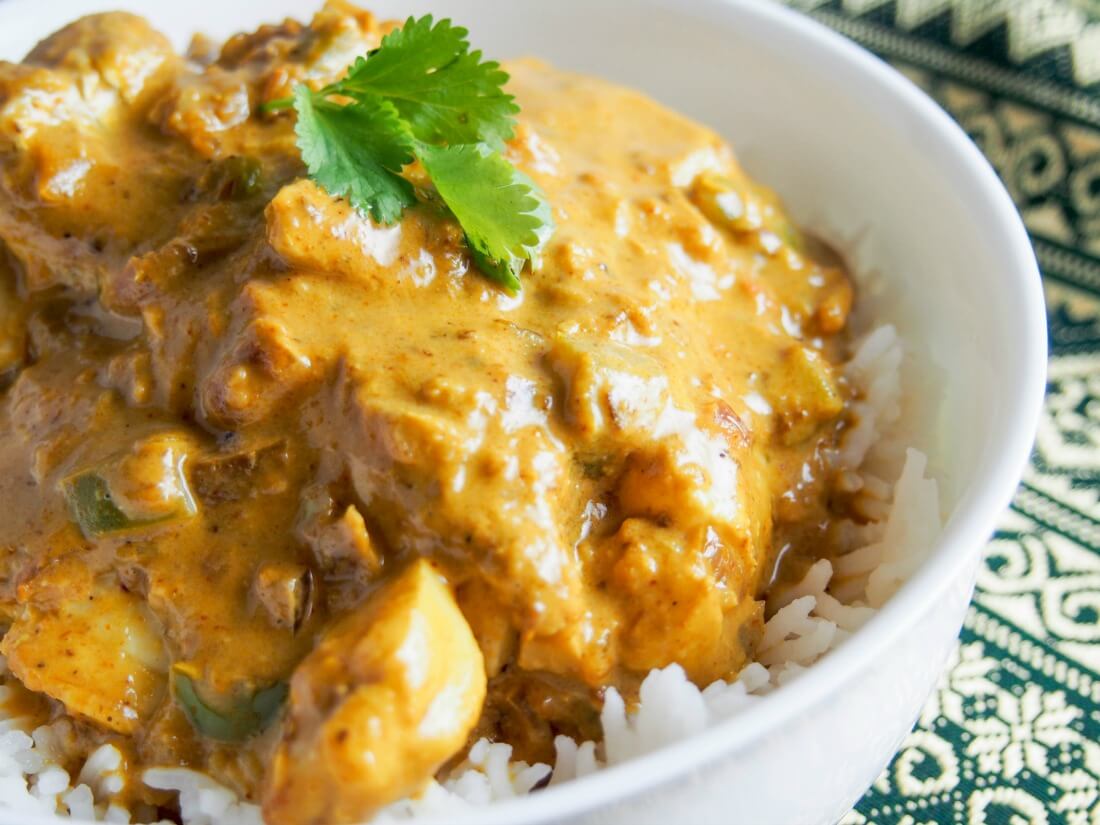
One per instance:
(302, 501)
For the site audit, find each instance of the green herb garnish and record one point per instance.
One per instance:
(423, 95)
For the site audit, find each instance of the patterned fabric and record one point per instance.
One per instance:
(1012, 734)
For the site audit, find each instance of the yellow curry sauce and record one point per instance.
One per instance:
(307, 503)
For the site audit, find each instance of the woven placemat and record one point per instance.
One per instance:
(1012, 733)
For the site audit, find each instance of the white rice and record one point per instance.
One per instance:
(819, 613)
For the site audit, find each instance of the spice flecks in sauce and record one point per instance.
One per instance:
(522, 498)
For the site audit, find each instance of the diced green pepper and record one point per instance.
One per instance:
(138, 488)
(247, 715)
(234, 178)
(92, 507)
(95, 511)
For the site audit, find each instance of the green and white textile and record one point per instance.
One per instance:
(1012, 734)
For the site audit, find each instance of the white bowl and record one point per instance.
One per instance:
(870, 163)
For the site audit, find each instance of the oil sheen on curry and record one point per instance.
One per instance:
(309, 504)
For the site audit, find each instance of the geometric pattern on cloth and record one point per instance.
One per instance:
(1012, 733)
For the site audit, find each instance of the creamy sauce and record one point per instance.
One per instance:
(289, 406)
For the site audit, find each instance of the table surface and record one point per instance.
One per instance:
(1012, 733)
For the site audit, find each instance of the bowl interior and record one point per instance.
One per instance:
(861, 159)
(853, 164)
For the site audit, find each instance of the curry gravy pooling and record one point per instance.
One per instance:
(308, 503)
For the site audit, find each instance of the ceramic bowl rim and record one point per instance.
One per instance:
(974, 517)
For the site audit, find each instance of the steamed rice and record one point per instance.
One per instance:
(830, 603)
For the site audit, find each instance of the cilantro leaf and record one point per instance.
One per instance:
(504, 215)
(422, 94)
(443, 91)
(356, 151)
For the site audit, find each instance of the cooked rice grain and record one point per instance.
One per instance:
(832, 601)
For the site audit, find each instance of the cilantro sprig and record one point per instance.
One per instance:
(422, 95)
